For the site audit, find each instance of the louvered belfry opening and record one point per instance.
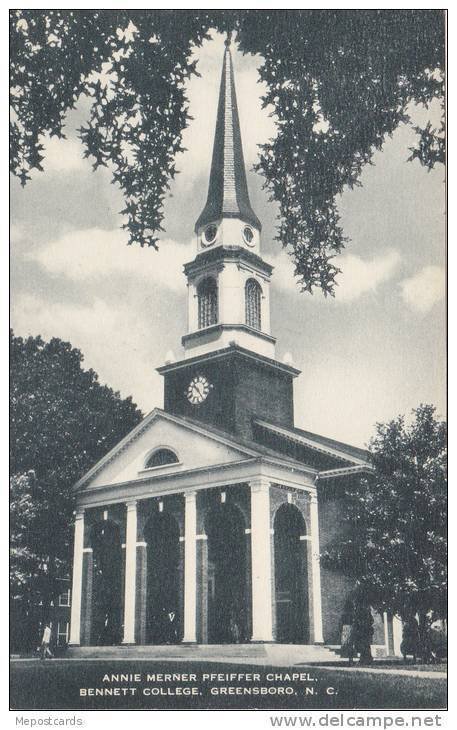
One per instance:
(207, 302)
(253, 303)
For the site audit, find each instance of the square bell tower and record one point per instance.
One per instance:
(229, 374)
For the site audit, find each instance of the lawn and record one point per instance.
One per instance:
(58, 685)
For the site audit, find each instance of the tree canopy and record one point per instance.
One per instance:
(339, 82)
(62, 421)
(395, 545)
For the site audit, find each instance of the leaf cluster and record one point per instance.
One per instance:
(338, 83)
(395, 546)
(62, 421)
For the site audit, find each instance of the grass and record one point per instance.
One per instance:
(56, 685)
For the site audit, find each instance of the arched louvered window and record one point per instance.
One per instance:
(253, 300)
(207, 302)
(162, 457)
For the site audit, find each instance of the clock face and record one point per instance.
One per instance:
(198, 389)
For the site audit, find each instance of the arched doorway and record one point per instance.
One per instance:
(106, 584)
(227, 578)
(163, 617)
(291, 577)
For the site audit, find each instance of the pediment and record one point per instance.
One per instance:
(195, 446)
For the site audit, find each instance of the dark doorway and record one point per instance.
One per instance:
(227, 584)
(290, 576)
(107, 584)
(163, 618)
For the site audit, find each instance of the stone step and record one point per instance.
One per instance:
(189, 651)
(281, 654)
(288, 654)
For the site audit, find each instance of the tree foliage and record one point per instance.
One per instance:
(62, 422)
(339, 82)
(395, 546)
(23, 558)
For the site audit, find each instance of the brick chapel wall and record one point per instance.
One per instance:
(238, 496)
(300, 500)
(172, 505)
(242, 389)
(335, 587)
(261, 393)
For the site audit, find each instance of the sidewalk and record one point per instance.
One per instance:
(260, 655)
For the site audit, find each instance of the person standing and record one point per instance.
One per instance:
(172, 632)
(45, 651)
(347, 632)
(363, 630)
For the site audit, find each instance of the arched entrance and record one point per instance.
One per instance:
(106, 584)
(291, 576)
(227, 578)
(163, 616)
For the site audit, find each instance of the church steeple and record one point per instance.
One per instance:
(228, 281)
(228, 195)
(229, 373)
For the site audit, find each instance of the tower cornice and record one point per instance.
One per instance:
(227, 253)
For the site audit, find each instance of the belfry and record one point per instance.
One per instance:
(205, 524)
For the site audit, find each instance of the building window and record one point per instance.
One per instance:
(207, 303)
(64, 598)
(62, 633)
(253, 294)
(162, 457)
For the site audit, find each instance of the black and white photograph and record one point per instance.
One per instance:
(228, 385)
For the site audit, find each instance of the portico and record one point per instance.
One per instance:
(218, 595)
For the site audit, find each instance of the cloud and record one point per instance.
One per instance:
(117, 341)
(17, 232)
(283, 271)
(358, 276)
(424, 289)
(94, 253)
(64, 155)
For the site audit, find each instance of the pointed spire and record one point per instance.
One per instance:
(228, 195)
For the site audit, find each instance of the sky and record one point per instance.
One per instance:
(374, 351)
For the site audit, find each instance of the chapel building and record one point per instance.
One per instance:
(206, 522)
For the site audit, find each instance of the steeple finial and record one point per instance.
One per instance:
(228, 195)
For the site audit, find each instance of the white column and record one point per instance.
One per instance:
(130, 575)
(75, 618)
(397, 628)
(190, 568)
(262, 618)
(316, 570)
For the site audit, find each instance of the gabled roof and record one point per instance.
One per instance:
(228, 195)
(247, 448)
(336, 450)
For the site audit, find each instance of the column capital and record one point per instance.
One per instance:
(259, 484)
(313, 497)
(190, 495)
(79, 513)
(131, 504)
